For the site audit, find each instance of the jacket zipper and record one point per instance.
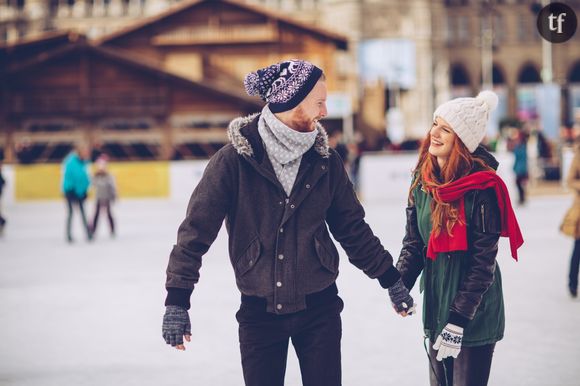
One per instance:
(483, 218)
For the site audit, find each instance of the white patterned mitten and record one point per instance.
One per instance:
(449, 342)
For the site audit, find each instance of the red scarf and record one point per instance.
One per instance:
(456, 191)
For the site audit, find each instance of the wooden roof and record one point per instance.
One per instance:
(132, 60)
(37, 40)
(24, 49)
(339, 40)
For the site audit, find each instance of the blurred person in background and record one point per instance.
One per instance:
(75, 186)
(280, 188)
(571, 224)
(2, 183)
(458, 208)
(105, 193)
(335, 142)
(97, 151)
(354, 157)
(24, 151)
(520, 167)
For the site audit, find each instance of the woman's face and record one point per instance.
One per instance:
(442, 140)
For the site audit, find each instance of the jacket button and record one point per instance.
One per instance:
(278, 284)
(251, 262)
(323, 167)
(280, 203)
(279, 306)
(281, 230)
(292, 206)
(280, 257)
(307, 186)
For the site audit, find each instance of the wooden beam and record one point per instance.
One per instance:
(213, 135)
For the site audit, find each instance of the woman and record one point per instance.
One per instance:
(458, 208)
(75, 185)
(571, 223)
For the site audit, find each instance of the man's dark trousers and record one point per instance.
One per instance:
(315, 334)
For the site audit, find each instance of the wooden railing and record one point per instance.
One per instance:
(92, 104)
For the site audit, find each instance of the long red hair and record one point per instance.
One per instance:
(428, 173)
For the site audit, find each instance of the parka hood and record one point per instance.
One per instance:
(481, 153)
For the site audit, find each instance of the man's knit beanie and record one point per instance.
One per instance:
(283, 85)
(468, 117)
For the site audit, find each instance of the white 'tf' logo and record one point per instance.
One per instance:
(559, 19)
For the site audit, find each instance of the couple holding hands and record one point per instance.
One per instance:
(282, 191)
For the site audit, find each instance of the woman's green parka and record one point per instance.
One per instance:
(460, 287)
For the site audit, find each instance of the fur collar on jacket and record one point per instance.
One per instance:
(243, 146)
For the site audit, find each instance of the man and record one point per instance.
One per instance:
(278, 185)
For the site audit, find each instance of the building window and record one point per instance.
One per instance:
(497, 75)
(523, 29)
(498, 29)
(458, 29)
(459, 75)
(575, 74)
(452, 3)
(463, 32)
(450, 30)
(529, 74)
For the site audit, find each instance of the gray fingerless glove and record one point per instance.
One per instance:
(400, 297)
(176, 324)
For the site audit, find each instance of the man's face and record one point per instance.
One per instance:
(313, 108)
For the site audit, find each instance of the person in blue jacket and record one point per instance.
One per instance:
(75, 186)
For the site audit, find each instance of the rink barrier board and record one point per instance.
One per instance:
(383, 177)
(133, 180)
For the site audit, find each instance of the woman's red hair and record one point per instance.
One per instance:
(428, 173)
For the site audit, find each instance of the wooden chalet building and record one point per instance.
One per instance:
(163, 88)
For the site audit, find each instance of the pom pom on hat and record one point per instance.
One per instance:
(251, 83)
(283, 85)
(468, 117)
(490, 98)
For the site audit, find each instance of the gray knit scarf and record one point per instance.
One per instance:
(284, 146)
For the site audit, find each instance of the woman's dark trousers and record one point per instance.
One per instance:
(315, 334)
(72, 200)
(521, 185)
(470, 368)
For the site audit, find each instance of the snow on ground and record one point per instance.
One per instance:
(90, 313)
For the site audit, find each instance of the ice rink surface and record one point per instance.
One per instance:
(90, 313)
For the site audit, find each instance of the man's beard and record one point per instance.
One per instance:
(302, 123)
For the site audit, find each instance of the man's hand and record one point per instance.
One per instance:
(449, 342)
(401, 299)
(176, 326)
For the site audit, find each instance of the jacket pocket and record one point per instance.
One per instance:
(328, 255)
(248, 259)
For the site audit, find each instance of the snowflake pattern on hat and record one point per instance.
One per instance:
(283, 84)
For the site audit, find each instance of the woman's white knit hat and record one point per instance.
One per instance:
(468, 117)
